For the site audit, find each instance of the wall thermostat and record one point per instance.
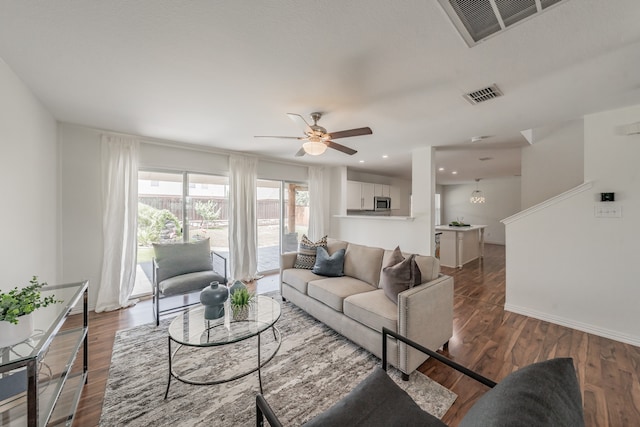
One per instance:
(607, 197)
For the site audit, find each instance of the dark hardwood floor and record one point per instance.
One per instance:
(486, 339)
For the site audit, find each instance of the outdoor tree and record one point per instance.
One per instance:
(209, 210)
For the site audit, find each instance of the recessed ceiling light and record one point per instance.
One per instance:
(454, 173)
(440, 169)
(361, 161)
(384, 156)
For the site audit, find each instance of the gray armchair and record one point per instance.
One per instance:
(542, 394)
(184, 268)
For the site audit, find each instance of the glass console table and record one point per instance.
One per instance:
(41, 378)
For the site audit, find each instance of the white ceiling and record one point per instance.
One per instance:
(219, 72)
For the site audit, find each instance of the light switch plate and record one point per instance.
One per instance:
(608, 210)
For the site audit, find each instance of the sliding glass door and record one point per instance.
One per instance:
(179, 207)
(268, 215)
(296, 214)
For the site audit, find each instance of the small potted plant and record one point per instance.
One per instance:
(16, 306)
(240, 301)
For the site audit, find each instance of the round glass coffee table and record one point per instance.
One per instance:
(191, 331)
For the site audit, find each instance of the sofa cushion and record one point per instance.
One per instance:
(329, 265)
(332, 291)
(429, 267)
(298, 278)
(307, 252)
(364, 263)
(399, 277)
(376, 401)
(174, 259)
(372, 309)
(545, 393)
(189, 282)
(392, 257)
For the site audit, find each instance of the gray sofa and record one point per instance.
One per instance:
(356, 306)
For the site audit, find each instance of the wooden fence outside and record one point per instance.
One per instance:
(265, 209)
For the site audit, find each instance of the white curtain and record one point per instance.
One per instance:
(119, 221)
(243, 233)
(316, 203)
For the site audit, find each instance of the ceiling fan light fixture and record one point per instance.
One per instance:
(314, 148)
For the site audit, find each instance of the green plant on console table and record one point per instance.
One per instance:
(458, 224)
(20, 302)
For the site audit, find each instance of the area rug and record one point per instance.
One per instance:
(312, 370)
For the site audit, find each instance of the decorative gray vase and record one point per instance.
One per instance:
(237, 285)
(213, 298)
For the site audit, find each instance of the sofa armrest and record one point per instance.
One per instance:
(287, 260)
(425, 315)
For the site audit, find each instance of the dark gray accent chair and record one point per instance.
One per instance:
(182, 269)
(542, 394)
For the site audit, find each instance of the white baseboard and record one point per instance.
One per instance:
(573, 324)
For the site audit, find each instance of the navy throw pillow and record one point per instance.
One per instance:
(329, 265)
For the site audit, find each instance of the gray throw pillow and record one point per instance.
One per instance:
(175, 259)
(543, 394)
(307, 252)
(399, 275)
(329, 265)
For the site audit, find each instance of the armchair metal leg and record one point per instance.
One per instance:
(157, 298)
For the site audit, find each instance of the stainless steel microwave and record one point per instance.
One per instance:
(381, 203)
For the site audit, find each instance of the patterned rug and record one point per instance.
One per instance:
(312, 370)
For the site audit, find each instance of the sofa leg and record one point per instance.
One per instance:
(445, 347)
(284, 299)
(405, 377)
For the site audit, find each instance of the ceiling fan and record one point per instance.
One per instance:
(317, 138)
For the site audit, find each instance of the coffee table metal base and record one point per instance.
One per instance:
(172, 374)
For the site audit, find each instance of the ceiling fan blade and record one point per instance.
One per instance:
(341, 147)
(300, 121)
(301, 152)
(299, 138)
(350, 132)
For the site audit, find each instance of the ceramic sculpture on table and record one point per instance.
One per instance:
(237, 285)
(213, 298)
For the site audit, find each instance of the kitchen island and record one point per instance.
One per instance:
(460, 244)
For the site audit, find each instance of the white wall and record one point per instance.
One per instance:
(81, 201)
(503, 200)
(554, 162)
(565, 265)
(29, 214)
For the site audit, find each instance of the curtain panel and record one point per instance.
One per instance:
(243, 233)
(119, 221)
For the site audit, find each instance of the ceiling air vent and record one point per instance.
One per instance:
(478, 19)
(482, 95)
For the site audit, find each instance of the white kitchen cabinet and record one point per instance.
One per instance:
(367, 193)
(354, 195)
(382, 190)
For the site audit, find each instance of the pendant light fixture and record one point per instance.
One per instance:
(477, 196)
